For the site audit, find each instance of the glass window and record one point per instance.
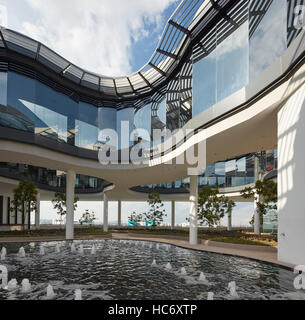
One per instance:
(204, 84)
(86, 127)
(125, 127)
(231, 166)
(268, 34)
(107, 118)
(161, 113)
(220, 168)
(3, 89)
(233, 62)
(241, 165)
(210, 170)
(86, 135)
(142, 121)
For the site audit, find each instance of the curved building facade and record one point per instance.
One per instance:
(222, 69)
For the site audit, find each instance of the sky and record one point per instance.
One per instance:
(242, 214)
(110, 37)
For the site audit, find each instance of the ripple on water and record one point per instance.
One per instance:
(122, 270)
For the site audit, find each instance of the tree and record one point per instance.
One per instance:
(60, 203)
(228, 205)
(87, 218)
(134, 217)
(156, 212)
(25, 200)
(265, 196)
(212, 207)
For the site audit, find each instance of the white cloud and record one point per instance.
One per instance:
(96, 34)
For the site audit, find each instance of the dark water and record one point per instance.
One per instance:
(121, 270)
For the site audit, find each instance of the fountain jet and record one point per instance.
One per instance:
(26, 286)
(78, 295)
(57, 248)
(154, 263)
(42, 250)
(93, 250)
(21, 253)
(81, 250)
(12, 285)
(50, 292)
(3, 254)
(202, 277)
(210, 296)
(168, 267)
(183, 272)
(3, 277)
(73, 248)
(232, 288)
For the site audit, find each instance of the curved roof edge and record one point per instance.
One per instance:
(175, 42)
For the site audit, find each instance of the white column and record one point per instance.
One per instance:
(257, 220)
(229, 228)
(105, 213)
(5, 211)
(119, 213)
(173, 215)
(70, 194)
(193, 210)
(291, 177)
(37, 212)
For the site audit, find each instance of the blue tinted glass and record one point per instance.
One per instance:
(125, 127)
(3, 88)
(230, 166)
(142, 120)
(162, 112)
(18, 115)
(220, 168)
(204, 83)
(86, 127)
(53, 110)
(241, 165)
(233, 62)
(107, 118)
(268, 38)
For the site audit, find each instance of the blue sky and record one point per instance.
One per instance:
(114, 37)
(111, 37)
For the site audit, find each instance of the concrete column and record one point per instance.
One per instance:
(229, 228)
(5, 210)
(70, 194)
(291, 177)
(119, 213)
(105, 213)
(37, 212)
(257, 219)
(173, 215)
(193, 210)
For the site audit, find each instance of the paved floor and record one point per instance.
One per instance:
(260, 253)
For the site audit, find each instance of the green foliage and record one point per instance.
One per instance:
(212, 207)
(134, 217)
(60, 203)
(24, 198)
(87, 218)
(264, 194)
(157, 211)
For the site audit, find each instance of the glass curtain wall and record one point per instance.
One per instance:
(267, 33)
